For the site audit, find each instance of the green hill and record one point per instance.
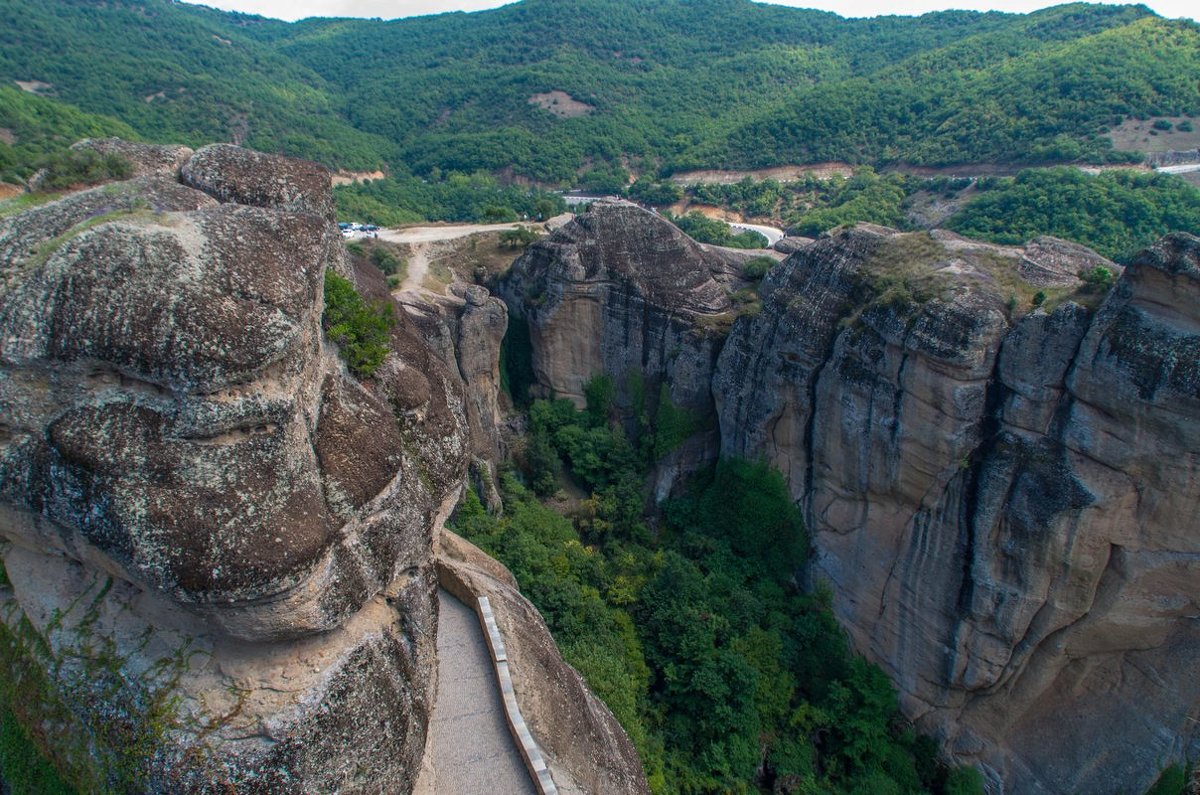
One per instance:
(546, 89)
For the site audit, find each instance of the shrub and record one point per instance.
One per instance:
(1162, 124)
(964, 781)
(82, 167)
(361, 331)
(756, 268)
(1173, 781)
(1098, 279)
(386, 260)
(517, 238)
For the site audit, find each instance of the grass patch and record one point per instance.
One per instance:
(902, 274)
(711, 326)
(25, 201)
(439, 276)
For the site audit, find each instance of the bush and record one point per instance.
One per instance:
(385, 260)
(1098, 280)
(1162, 124)
(756, 268)
(657, 194)
(361, 331)
(718, 233)
(82, 167)
(964, 781)
(1173, 781)
(517, 238)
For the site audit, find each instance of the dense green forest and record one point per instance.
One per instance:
(549, 90)
(1116, 212)
(400, 200)
(726, 675)
(38, 128)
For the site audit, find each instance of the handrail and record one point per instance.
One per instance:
(530, 752)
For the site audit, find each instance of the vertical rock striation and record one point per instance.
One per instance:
(1003, 506)
(1001, 497)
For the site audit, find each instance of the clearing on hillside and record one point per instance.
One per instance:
(561, 104)
(1136, 135)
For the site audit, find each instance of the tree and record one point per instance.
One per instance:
(361, 331)
(520, 237)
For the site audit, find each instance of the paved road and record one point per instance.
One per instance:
(430, 234)
(470, 748)
(1183, 169)
(772, 234)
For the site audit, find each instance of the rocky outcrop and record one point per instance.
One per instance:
(1173, 157)
(999, 490)
(466, 329)
(584, 747)
(1000, 502)
(620, 291)
(163, 160)
(203, 510)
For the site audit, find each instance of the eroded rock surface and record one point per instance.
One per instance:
(1003, 504)
(146, 159)
(619, 291)
(1002, 495)
(191, 480)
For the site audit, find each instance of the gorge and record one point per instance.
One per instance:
(222, 549)
(1000, 495)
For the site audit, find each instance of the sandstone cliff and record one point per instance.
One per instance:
(1000, 494)
(620, 291)
(1001, 502)
(217, 542)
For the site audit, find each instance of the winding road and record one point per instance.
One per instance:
(772, 234)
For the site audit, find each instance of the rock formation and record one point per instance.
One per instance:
(1001, 503)
(622, 292)
(466, 330)
(1000, 494)
(217, 542)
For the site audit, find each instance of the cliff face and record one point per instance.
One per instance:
(466, 330)
(1002, 506)
(218, 539)
(1001, 498)
(620, 291)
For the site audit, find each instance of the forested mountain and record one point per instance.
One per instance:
(547, 89)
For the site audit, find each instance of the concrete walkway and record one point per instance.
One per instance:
(470, 749)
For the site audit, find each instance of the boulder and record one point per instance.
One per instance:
(219, 543)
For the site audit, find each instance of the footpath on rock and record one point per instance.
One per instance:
(470, 748)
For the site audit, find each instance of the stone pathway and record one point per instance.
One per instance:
(470, 749)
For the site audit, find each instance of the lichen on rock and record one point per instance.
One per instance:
(183, 453)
